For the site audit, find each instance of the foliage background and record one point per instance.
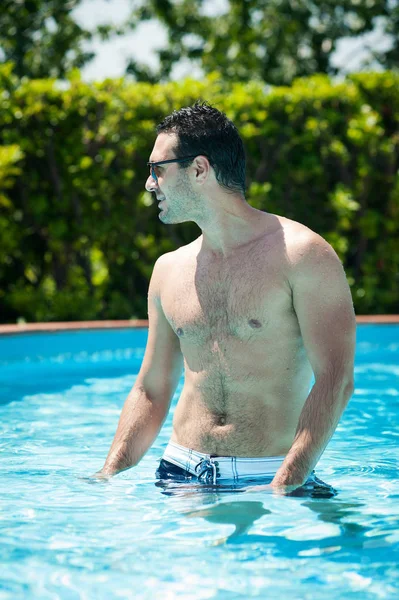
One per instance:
(79, 235)
(275, 41)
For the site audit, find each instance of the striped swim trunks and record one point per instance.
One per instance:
(181, 465)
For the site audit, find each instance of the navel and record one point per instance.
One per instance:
(179, 331)
(221, 419)
(255, 323)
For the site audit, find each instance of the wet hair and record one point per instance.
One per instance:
(202, 129)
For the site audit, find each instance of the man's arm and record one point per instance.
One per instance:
(148, 403)
(323, 305)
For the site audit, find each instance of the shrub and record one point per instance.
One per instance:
(79, 235)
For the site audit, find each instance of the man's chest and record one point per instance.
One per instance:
(212, 301)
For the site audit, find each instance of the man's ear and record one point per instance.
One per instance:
(202, 169)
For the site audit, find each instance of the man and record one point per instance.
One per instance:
(250, 308)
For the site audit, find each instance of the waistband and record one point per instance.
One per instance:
(212, 469)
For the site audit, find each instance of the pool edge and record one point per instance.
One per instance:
(71, 326)
(136, 324)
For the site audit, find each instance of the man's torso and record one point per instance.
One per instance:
(247, 375)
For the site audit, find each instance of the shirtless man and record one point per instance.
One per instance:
(250, 309)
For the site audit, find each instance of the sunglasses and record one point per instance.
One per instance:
(152, 165)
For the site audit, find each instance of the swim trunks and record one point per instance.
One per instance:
(181, 465)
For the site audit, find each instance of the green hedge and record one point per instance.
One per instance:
(79, 235)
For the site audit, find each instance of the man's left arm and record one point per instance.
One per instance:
(324, 308)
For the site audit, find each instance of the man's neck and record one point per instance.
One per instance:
(228, 235)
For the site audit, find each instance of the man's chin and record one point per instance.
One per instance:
(169, 218)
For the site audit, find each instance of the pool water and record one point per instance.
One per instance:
(63, 537)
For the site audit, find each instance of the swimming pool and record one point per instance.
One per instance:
(62, 537)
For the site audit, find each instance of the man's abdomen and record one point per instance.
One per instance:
(245, 426)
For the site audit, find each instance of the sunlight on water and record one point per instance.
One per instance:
(65, 537)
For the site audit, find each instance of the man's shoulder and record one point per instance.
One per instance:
(171, 257)
(170, 260)
(298, 235)
(304, 246)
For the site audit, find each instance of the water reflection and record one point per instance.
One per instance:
(240, 514)
(345, 534)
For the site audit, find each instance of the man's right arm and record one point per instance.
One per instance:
(147, 404)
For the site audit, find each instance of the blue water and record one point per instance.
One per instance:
(62, 537)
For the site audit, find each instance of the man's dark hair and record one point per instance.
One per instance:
(202, 129)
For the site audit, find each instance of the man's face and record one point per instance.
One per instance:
(173, 187)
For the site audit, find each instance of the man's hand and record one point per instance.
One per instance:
(273, 488)
(102, 475)
(97, 477)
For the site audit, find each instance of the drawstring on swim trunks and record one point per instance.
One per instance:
(206, 470)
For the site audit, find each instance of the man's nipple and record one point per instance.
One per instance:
(255, 323)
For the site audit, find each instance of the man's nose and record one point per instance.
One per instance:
(151, 184)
